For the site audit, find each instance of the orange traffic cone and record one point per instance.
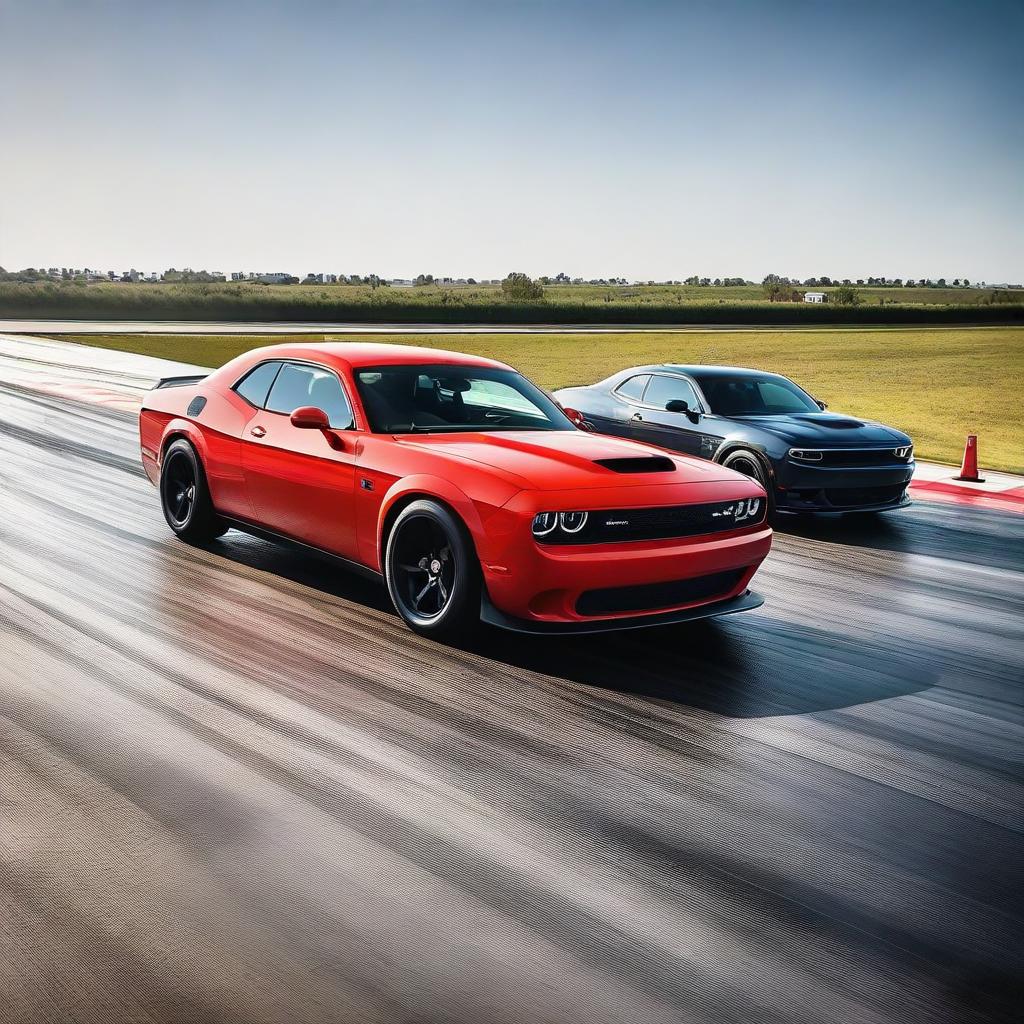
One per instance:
(969, 468)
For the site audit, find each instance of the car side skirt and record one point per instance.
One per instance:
(494, 617)
(281, 538)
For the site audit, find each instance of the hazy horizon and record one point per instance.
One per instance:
(645, 140)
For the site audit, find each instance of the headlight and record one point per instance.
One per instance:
(805, 454)
(572, 522)
(544, 523)
(747, 509)
(905, 452)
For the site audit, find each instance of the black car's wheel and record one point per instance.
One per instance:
(432, 571)
(750, 464)
(186, 498)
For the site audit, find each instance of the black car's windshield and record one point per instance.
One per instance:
(441, 399)
(747, 394)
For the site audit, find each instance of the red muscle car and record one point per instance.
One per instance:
(459, 482)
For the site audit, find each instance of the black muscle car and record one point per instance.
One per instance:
(762, 424)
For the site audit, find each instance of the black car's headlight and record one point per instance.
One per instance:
(906, 453)
(568, 522)
(805, 454)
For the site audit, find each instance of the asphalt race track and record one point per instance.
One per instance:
(233, 787)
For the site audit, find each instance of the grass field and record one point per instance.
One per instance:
(937, 384)
(457, 304)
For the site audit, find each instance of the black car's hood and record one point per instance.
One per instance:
(824, 429)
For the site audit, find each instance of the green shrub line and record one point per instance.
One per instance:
(198, 303)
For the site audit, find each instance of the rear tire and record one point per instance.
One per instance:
(185, 496)
(744, 461)
(432, 572)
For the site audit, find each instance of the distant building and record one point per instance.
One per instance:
(815, 297)
(238, 275)
(313, 279)
(330, 278)
(279, 278)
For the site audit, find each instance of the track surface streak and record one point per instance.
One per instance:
(234, 787)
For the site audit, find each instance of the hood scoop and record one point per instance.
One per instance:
(639, 464)
(836, 422)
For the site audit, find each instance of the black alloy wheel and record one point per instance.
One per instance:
(432, 571)
(185, 497)
(179, 489)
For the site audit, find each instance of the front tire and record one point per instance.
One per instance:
(432, 572)
(185, 496)
(750, 464)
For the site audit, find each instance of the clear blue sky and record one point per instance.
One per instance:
(627, 139)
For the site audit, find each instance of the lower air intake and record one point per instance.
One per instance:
(652, 596)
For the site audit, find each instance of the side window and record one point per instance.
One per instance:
(298, 385)
(634, 387)
(663, 390)
(255, 385)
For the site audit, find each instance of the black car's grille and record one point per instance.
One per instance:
(851, 497)
(661, 523)
(836, 458)
(651, 596)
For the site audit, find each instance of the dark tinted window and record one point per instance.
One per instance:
(751, 394)
(663, 390)
(254, 387)
(634, 387)
(298, 385)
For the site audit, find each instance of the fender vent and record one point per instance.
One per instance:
(196, 406)
(641, 464)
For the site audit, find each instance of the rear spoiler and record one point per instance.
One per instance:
(179, 382)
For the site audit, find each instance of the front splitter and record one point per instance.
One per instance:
(494, 617)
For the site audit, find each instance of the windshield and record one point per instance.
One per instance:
(441, 399)
(747, 394)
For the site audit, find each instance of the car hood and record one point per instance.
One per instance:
(825, 429)
(564, 460)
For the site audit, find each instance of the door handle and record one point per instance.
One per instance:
(637, 418)
(257, 431)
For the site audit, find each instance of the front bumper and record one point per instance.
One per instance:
(547, 586)
(801, 488)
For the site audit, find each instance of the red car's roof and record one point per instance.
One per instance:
(357, 354)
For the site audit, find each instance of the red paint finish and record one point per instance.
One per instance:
(338, 489)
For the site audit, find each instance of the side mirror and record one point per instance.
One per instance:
(822, 405)
(681, 405)
(309, 417)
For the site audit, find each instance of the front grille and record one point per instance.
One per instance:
(662, 523)
(652, 596)
(851, 497)
(837, 458)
